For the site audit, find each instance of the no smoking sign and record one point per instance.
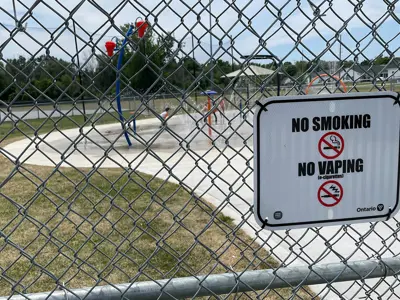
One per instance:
(326, 160)
(331, 145)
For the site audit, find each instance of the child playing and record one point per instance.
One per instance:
(205, 109)
(221, 108)
(164, 114)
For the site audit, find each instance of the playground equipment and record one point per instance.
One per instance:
(247, 83)
(325, 84)
(111, 46)
(209, 93)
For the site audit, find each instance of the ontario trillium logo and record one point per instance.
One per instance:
(379, 207)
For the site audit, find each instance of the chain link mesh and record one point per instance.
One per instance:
(79, 208)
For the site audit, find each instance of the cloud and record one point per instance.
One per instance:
(280, 23)
(295, 24)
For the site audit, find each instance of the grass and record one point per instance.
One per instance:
(372, 88)
(90, 228)
(9, 129)
(85, 227)
(40, 126)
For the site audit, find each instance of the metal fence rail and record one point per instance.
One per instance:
(84, 216)
(224, 283)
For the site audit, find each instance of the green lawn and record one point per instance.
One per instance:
(10, 129)
(86, 227)
(29, 127)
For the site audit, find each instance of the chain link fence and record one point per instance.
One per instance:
(105, 193)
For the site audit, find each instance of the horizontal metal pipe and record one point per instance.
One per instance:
(230, 283)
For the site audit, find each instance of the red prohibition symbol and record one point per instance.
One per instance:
(330, 193)
(331, 145)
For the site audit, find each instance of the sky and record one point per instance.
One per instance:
(286, 29)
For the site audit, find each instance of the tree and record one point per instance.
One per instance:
(382, 60)
(145, 60)
(104, 75)
(290, 69)
(301, 66)
(6, 87)
(365, 62)
(347, 64)
(41, 78)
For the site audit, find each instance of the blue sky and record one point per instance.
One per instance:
(280, 40)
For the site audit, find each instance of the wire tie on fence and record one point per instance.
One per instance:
(263, 106)
(237, 284)
(389, 213)
(264, 223)
(397, 101)
(62, 288)
(381, 279)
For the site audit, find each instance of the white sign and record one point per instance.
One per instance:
(326, 160)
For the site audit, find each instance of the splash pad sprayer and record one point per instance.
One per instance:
(209, 104)
(111, 46)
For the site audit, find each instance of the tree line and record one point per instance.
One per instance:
(152, 65)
